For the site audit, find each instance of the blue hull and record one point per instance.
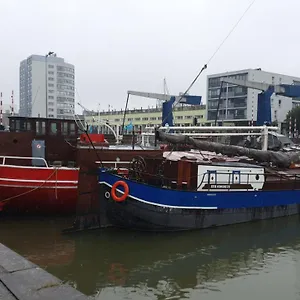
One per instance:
(153, 208)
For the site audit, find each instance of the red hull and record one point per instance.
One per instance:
(38, 189)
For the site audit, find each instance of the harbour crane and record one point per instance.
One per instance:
(264, 98)
(168, 102)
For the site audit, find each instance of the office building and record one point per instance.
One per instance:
(47, 87)
(238, 104)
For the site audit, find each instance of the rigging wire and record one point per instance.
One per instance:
(84, 128)
(211, 58)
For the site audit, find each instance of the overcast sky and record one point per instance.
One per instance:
(120, 45)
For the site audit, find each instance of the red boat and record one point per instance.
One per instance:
(38, 187)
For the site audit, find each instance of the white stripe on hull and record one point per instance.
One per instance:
(157, 204)
(38, 181)
(38, 187)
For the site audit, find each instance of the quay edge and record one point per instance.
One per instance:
(20, 279)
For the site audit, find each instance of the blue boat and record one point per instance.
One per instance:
(191, 193)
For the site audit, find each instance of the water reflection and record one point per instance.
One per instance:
(116, 264)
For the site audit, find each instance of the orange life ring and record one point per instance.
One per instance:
(114, 188)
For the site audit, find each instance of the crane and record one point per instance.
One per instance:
(169, 100)
(264, 98)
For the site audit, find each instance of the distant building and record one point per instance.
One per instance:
(184, 115)
(7, 112)
(238, 103)
(47, 87)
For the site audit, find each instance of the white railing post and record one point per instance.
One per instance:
(265, 138)
(143, 140)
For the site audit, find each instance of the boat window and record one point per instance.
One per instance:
(236, 177)
(53, 128)
(17, 125)
(212, 177)
(40, 127)
(22, 125)
(12, 125)
(64, 130)
(28, 126)
(72, 129)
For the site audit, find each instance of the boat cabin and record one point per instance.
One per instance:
(54, 140)
(44, 126)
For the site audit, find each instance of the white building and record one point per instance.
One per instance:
(47, 87)
(239, 103)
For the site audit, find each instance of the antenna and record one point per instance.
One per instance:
(166, 90)
(12, 102)
(1, 114)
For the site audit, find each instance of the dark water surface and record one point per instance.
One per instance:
(250, 261)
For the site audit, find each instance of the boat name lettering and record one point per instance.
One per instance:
(220, 186)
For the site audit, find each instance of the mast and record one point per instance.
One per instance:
(279, 159)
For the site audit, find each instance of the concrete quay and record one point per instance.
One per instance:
(22, 280)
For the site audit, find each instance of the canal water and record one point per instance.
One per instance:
(249, 261)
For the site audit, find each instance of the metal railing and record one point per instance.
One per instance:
(115, 163)
(5, 158)
(280, 178)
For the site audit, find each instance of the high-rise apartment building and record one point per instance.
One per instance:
(47, 87)
(239, 104)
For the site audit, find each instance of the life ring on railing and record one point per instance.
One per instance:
(114, 188)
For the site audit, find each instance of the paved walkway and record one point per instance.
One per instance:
(22, 280)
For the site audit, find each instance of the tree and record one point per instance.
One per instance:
(293, 115)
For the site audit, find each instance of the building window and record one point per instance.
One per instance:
(50, 66)
(51, 91)
(51, 84)
(51, 103)
(50, 97)
(50, 78)
(50, 72)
